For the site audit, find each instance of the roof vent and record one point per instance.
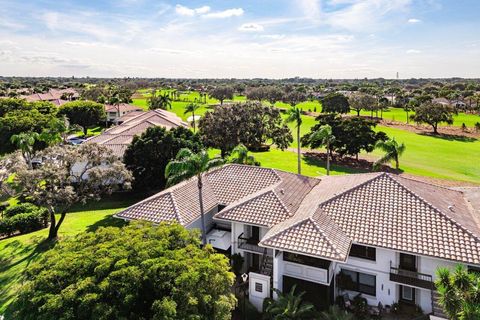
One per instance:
(282, 191)
(451, 208)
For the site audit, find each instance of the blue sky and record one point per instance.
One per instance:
(242, 39)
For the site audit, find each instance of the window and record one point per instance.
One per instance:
(363, 252)
(258, 287)
(306, 260)
(356, 281)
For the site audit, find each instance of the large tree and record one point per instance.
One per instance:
(459, 293)
(69, 175)
(188, 164)
(83, 113)
(433, 114)
(222, 93)
(352, 134)
(135, 272)
(192, 107)
(335, 103)
(251, 124)
(359, 102)
(148, 154)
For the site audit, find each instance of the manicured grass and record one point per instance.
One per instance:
(398, 114)
(437, 156)
(17, 253)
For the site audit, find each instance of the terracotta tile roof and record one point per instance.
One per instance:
(383, 212)
(119, 137)
(312, 237)
(235, 182)
(123, 107)
(265, 209)
(322, 218)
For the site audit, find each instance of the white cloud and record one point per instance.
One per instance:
(310, 8)
(273, 36)
(251, 27)
(413, 20)
(190, 12)
(413, 51)
(235, 12)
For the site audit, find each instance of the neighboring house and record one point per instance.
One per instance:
(56, 96)
(443, 101)
(114, 112)
(134, 123)
(377, 234)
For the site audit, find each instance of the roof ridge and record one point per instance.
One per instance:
(288, 227)
(425, 182)
(176, 208)
(324, 235)
(444, 214)
(290, 214)
(351, 189)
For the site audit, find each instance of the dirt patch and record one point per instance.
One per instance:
(449, 132)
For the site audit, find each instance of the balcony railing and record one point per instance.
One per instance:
(251, 244)
(411, 278)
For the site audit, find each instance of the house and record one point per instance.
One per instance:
(377, 234)
(134, 123)
(114, 112)
(56, 96)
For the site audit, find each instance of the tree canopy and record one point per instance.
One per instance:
(433, 114)
(148, 154)
(135, 272)
(222, 93)
(352, 134)
(83, 113)
(335, 103)
(251, 124)
(66, 176)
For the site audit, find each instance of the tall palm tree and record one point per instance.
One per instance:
(192, 107)
(289, 306)
(188, 164)
(295, 115)
(325, 137)
(240, 155)
(25, 141)
(392, 150)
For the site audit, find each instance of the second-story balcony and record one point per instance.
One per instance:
(251, 244)
(411, 278)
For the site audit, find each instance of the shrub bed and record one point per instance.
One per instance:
(22, 218)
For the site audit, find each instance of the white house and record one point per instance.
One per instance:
(377, 234)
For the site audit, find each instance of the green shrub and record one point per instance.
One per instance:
(23, 222)
(20, 208)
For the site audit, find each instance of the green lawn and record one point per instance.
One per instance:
(436, 156)
(19, 252)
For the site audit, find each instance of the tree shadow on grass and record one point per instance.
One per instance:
(108, 221)
(315, 161)
(449, 137)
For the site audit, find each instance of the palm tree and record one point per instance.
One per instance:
(240, 155)
(25, 141)
(162, 101)
(192, 107)
(335, 313)
(459, 293)
(325, 136)
(188, 164)
(295, 115)
(288, 306)
(392, 150)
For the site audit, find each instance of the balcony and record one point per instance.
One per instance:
(251, 245)
(411, 278)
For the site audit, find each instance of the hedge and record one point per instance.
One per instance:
(25, 219)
